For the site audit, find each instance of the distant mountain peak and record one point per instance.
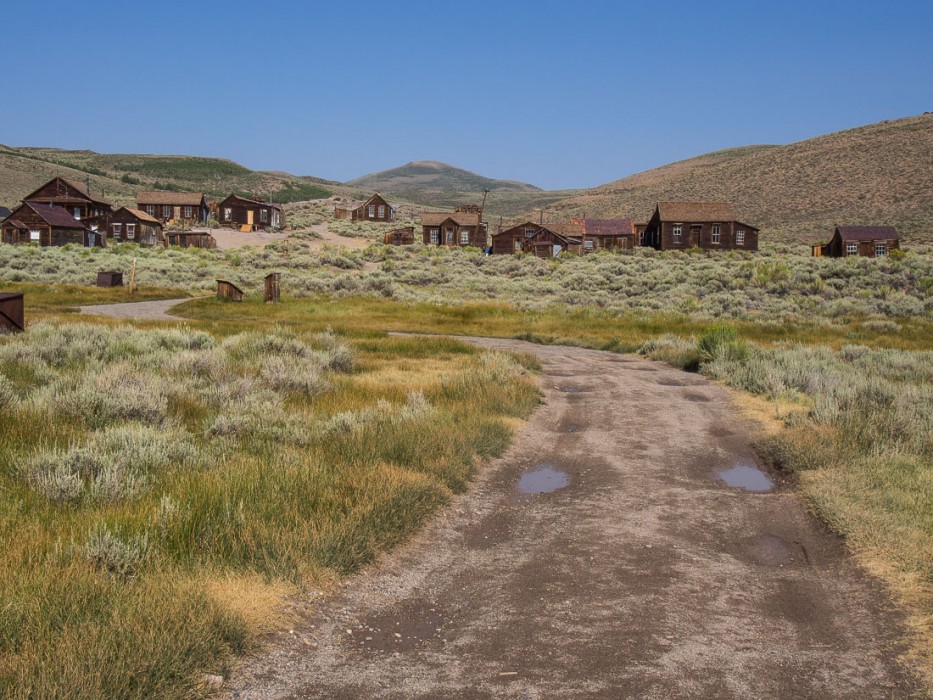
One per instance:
(433, 175)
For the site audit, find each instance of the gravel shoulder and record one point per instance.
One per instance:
(639, 574)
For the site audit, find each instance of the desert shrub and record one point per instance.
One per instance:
(672, 349)
(8, 395)
(121, 556)
(721, 341)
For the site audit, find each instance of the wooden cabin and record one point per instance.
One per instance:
(376, 208)
(12, 314)
(453, 229)
(71, 196)
(135, 226)
(47, 225)
(707, 225)
(512, 239)
(249, 214)
(547, 242)
(603, 234)
(400, 236)
(190, 239)
(862, 241)
(183, 209)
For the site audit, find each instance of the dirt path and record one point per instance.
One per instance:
(137, 310)
(328, 238)
(641, 575)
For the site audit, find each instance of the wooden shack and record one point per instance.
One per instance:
(135, 226)
(549, 243)
(707, 225)
(376, 208)
(174, 208)
(512, 239)
(249, 214)
(190, 239)
(603, 234)
(861, 241)
(75, 198)
(46, 225)
(453, 229)
(111, 278)
(228, 291)
(272, 287)
(400, 236)
(12, 314)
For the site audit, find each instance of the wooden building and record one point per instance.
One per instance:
(110, 278)
(71, 196)
(183, 209)
(863, 241)
(135, 226)
(603, 234)
(249, 214)
(400, 236)
(547, 242)
(12, 313)
(190, 239)
(47, 225)
(707, 225)
(512, 239)
(453, 229)
(376, 208)
(228, 291)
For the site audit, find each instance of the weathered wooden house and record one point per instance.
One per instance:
(707, 225)
(512, 239)
(135, 226)
(47, 225)
(400, 236)
(376, 208)
(543, 240)
(453, 229)
(864, 241)
(602, 234)
(183, 209)
(190, 239)
(71, 196)
(249, 214)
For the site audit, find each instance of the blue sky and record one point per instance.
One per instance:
(559, 94)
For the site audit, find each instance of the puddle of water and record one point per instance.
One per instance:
(698, 398)
(572, 427)
(747, 478)
(543, 479)
(572, 389)
(671, 382)
(771, 550)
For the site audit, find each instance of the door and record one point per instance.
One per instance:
(249, 217)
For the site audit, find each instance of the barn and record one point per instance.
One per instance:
(862, 241)
(47, 225)
(706, 225)
(249, 214)
(135, 226)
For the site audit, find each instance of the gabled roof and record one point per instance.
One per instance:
(57, 217)
(376, 196)
(695, 211)
(867, 233)
(139, 214)
(187, 199)
(247, 200)
(461, 218)
(606, 227)
(80, 191)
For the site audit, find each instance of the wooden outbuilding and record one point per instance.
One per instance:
(547, 242)
(135, 226)
(272, 287)
(111, 278)
(376, 208)
(862, 241)
(707, 225)
(174, 208)
(602, 234)
(12, 314)
(71, 196)
(228, 291)
(47, 225)
(249, 214)
(512, 239)
(190, 239)
(400, 236)
(453, 229)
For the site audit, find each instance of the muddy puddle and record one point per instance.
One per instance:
(747, 478)
(543, 479)
(771, 550)
(573, 389)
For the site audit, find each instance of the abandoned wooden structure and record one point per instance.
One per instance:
(174, 208)
(190, 239)
(549, 242)
(602, 234)
(249, 214)
(453, 229)
(400, 236)
(512, 239)
(135, 226)
(12, 314)
(47, 225)
(111, 278)
(72, 196)
(376, 208)
(228, 291)
(272, 287)
(863, 241)
(707, 225)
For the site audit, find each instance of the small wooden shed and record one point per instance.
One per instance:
(190, 239)
(229, 291)
(400, 236)
(861, 241)
(110, 278)
(272, 288)
(12, 316)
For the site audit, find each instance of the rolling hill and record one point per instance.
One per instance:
(876, 174)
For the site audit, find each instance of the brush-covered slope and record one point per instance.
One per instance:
(119, 176)
(876, 174)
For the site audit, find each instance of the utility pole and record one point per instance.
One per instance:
(480, 223)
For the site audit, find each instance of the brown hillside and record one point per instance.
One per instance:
(877, 174)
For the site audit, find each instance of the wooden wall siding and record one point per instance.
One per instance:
(620, 242)
(451, 235)
(837, 247)
(109, 279)
(543, 242)
(376, 201)
(188, 239)
(272, 287)
(12, 314)
(176, 213)
(245, 213)
(145, 232)
(400, 236)
(228, 291)
(512, 240)
(661, 235)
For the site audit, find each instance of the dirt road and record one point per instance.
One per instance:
(137, 310)
(603, 557)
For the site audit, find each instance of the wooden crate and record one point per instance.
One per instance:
(110, 279)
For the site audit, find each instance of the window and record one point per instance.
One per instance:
(881, 249)
(34, 235)
(588, 245)
(529, 232)
(228, 213)
(382, 212)
(678, 229)
(263, 215)
(116, 230)
(435, 236)
(167, 211)
(851, 248)
(187, 212)
(130, 231)
(372, 211)
(150, 209)
(740, 237)
(76, 212)
(464, 237)
(715, 237)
